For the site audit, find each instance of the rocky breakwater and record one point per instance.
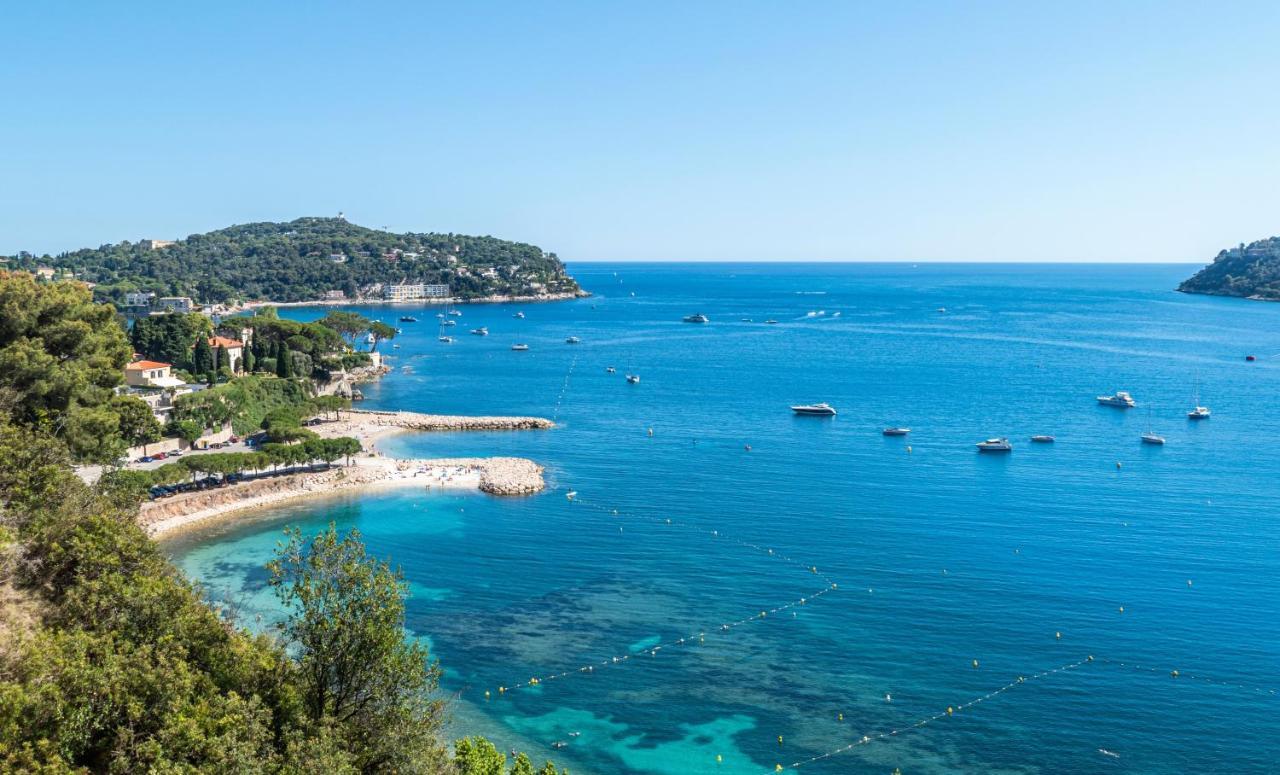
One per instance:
(445, 422)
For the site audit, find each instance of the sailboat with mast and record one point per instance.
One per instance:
(1199, 412)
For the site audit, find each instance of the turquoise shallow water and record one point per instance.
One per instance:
(942, 556)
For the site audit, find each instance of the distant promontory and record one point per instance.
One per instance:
(307, 260)
(1250, 271)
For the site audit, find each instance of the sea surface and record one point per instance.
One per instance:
(954, 572)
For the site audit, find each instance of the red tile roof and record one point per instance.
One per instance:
(141, 365)
(222, 341)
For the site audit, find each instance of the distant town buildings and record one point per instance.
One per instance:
(139, 298)
(335, 295)
(175, 303)
(156, 244)
(46, 272)
(338, 258)
(411, 291)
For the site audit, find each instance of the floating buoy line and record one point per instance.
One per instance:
(694, 638)
(950, 711)
(829, 585)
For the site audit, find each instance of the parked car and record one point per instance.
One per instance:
(176, 453)
(235, 439)
(145, 459)
(159, 456)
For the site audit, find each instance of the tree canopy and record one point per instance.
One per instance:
(302, 259)
(61, 356)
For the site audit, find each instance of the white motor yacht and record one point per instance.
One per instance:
(817, 410)
(995, 445)
(1121, 399)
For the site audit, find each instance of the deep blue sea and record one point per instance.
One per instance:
(956, 572)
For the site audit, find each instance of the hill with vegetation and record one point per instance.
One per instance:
(111, 661)
(303, 259)
(1251, 271)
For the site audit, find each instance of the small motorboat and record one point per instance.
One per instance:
(572, 340)
(634, 379)
(698, 318)
(519, 347)
(481, 331)
(895, 431)
(457, 313)
(440, 315)
(610, 370)
(1250, 358)
(942, 309)
(1042, 439)
(1151, 438)
(518, 315)
(815, 410)
(995, 445)
(408, 319)
(559, 744)
(395, 347)
(1121, 399)
(771, 322)
(446, 339)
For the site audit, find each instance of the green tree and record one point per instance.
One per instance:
(222, 358)
(284, 365)
(380, 331)
(61, 356)
(170, 338)
(138, 426)
(202, 361)
(477, 756)
(357, 671)
(248, 361)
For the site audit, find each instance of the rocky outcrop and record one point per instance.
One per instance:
(444, 422)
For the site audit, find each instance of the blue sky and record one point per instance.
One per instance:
(651, 131)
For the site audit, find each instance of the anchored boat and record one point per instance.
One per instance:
(995, 445)
(817, 410)
(1121, 399)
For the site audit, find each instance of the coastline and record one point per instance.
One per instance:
(371, 470)
(359, 302)
(494, 475)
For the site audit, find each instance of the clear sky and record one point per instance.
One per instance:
(851, 131)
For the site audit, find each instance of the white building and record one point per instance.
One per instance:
(338, 258)
(138, 298)
(334, 295)
(411, 291)
(175, 303)
(151, 374)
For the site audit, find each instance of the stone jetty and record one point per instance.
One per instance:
(444, 422)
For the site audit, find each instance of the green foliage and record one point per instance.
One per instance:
(477, 756)
(61, 355)
(244, 402)
(137, 425)
(290, 262)
(343, 603)
(202, 358)
(284, 363)
(171, 338)
(1248, 270)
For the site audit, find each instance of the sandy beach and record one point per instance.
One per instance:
(370, 470)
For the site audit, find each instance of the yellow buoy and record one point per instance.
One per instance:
(777, 768)
(779, 739)
(840, 717)
(502, 689)
(950, 710)
(486, 694)
(1174, 673)
(719, 758)
(762, 614)
(975, 663)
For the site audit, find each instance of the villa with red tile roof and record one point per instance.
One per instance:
(234, 348)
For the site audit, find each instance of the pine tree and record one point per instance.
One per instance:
(222, 359)
(284, 368)
(202, 357)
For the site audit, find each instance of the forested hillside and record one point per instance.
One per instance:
(303, 259)
(1251, 270)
